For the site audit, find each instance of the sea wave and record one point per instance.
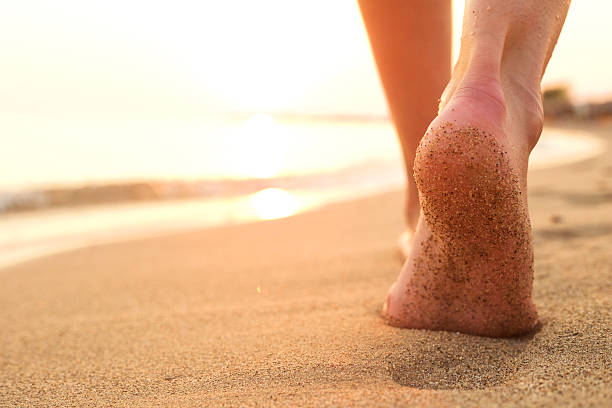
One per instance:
(374, 172)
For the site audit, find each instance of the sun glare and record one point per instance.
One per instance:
(260, 147)
(273, 203)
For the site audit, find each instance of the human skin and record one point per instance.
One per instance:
(411, 43)
(469, 265)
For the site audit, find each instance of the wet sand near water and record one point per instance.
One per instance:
(285, 313)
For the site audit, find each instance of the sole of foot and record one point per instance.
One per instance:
(470, 265)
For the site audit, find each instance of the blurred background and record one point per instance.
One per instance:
(126, 118)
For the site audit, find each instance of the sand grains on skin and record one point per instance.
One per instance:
(471, 266)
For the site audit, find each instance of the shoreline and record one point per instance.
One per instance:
(187, 212)
(558, 146)
(285, 313)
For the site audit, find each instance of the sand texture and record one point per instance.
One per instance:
(285, 313)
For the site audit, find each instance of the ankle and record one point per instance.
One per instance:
(526, 105)
(507, 103)
(501, 76)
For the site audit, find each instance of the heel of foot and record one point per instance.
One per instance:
(478, 251)
(468, 188)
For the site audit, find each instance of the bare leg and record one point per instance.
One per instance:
(470, 268)
(411, 42)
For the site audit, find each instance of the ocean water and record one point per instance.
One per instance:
(298, 164)
(50, 150)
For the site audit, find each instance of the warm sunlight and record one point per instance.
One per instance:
(209, 203)
(273, 203)
(259, 149)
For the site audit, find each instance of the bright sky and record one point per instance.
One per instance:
(187, 57)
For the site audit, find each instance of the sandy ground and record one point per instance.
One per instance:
(284, 313)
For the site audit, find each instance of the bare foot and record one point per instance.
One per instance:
(412, 213)
(470, 268)
(404, 243)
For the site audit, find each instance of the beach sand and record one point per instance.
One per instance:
(285, 313)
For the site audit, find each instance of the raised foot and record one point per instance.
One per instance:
(470, 268)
